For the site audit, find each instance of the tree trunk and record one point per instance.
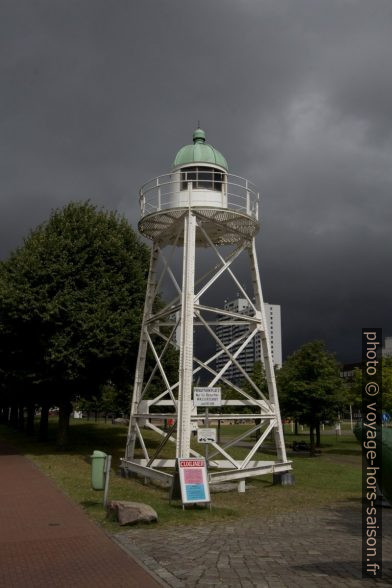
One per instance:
(30, 418)
(43, 423)
(311, 437)
(4, 414)
(14, 416)
(296, 427)
(318, 436)
(21, 417)
(63, 426)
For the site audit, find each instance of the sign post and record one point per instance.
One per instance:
(207, 397)
(108, 464)
(206, 447)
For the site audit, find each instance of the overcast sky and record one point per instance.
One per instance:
(97, 97)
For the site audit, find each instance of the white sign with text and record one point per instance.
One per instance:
(207, 397)
(206, 435)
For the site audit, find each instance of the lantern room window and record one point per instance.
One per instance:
(202, 178)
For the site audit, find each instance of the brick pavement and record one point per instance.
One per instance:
(46, 541)
(317, 548)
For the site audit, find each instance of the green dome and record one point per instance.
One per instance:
(199, 152)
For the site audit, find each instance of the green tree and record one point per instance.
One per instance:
(354, 393)
(354, 389)
(310, 387)
(387, 384)
(258, 377)
(72, 297)
(111, 400)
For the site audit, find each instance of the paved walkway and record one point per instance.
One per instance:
(308, 549)
(46, 541)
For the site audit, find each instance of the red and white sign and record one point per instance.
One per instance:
(193, 480)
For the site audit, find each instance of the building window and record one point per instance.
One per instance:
(204, 178)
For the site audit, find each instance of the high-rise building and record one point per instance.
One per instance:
(228, 333)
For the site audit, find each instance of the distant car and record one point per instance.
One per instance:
(120, 421)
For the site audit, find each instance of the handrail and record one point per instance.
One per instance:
(238, 194)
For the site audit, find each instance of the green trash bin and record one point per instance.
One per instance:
(98, 460)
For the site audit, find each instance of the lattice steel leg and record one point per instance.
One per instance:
(141, 358)
(266, 354)
(186, 345)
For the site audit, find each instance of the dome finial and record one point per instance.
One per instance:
(199, 135)
(199, 152)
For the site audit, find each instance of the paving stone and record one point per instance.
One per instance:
(317, 548)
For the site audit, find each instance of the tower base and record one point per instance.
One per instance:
(153, 445)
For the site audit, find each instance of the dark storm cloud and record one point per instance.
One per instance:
(97, 97)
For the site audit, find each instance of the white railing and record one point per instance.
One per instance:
(162, 193)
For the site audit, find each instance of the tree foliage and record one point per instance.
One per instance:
(258, 377)
(354, 393)
(71, 302)
(310, 387)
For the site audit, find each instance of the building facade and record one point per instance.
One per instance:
(252, 352)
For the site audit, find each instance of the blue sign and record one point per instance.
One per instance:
(195, 492)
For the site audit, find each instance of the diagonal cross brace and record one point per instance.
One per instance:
(257, 444)
(163, 374)
(168, 341)
(235, 362)
(176, 299)
(225, 266)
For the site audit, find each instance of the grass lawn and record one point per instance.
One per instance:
(332, 477)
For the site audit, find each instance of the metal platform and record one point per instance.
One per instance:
(228, 216)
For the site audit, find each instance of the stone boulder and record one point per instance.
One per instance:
(131, 513)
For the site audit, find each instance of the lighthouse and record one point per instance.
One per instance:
(199, 207)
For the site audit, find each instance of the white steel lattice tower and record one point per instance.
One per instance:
(200, 207)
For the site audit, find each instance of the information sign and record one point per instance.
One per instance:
(206, 435)
(207, 397)
(193, 480)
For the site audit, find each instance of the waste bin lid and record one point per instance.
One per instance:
(98, 453)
